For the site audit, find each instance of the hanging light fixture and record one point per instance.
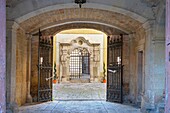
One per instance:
(80, 2)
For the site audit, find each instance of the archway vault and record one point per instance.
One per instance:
(81, 16)
(111, 18)
(54, 21)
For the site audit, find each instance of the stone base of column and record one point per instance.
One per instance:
(64, 80)
(29, 99)
(91, 79)
(146, 105)
(96, 80)
(12, 108)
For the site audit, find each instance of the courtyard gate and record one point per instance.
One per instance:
(79, 63)
(45, 67)
(114, 69)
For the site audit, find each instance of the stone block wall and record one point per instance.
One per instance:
(126, 63)
(21, 67)
(34, 68)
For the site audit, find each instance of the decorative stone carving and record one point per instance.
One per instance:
(81, 44)
(96, 54)
(80, 41)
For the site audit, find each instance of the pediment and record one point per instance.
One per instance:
(80, 41)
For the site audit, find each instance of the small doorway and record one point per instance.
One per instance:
(79, 66)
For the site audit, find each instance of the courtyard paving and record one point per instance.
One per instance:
(78, 107)
(79, 91)
(78, 98)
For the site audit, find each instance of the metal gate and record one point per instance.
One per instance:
(45, 68)
(79, 63)
(114, 69)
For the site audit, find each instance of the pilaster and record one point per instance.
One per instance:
(154, 70)
(11, 66)
(58, 60)
(29, 40)
(148, 94)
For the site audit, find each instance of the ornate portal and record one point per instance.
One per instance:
(79, 59)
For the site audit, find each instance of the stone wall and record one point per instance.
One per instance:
(132, 44)
(33, 18)
(126, 63)
(21, 67)
(34, 68)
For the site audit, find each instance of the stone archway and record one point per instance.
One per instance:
(54, 17)
(115, 19)
(88, 15)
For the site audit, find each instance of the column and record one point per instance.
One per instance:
(11, 66)
(2, 55)
(58, 60)
(91, 65)
(167, 91)
(29, 98)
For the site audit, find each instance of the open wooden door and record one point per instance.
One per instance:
(114, 69)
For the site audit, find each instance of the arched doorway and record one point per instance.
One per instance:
(119, 19)
(79, 66)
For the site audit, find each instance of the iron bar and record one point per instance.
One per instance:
(114, 69)
(45, 57)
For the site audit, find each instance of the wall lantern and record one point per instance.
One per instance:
(80, 2)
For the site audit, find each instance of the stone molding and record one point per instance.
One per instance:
(155, 41)
(148, 24)
(67, 48)
(80, 39)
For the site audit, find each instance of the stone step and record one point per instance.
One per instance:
(80, 80)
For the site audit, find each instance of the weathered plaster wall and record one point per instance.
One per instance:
(167, 98)
(21, 67)
(2, 56)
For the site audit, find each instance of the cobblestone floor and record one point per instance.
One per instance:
(78, 98)
(79, 91)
